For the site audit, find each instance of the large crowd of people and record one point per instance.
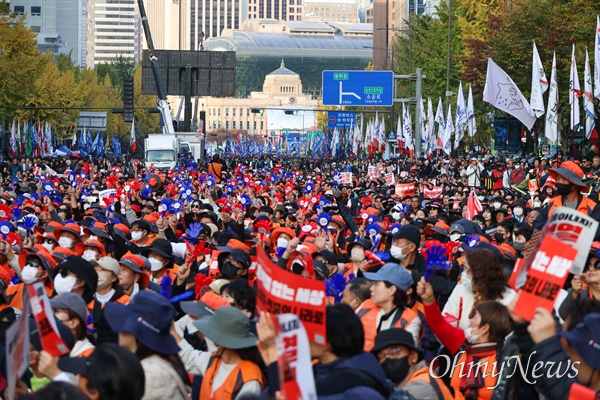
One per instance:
(151, 276)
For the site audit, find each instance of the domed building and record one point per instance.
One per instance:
(280, 107)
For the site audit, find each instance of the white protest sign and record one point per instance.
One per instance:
(103, 193)
(17, 349)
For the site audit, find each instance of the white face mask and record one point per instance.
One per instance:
(454, 237)
(497, 205)
(89, 255)
(64, 284)
(155, 264)
(357, 254)
(93, 237)
(396, 216)
(471, 337)
(135, 236)
(537, 204)
(65, 242)
(397, 253)
(281, 242)
(48, 247)
(28, 274)
(480, 198)
(466, 281)
(518, 211)
(211, 346)
(103, 277)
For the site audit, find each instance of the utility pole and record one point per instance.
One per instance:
(419, 95)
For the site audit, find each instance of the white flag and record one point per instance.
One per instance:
(597, 60)
(539, 84)
(471, 123)
(501, 92)
(461, 116)
(407, 128)
(448, 129)
(430, 126)
(552, 115)
(574, 93)
(588, 104)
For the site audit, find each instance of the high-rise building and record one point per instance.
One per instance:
(208, 18)
(63, 26)
(282, 10)
(169, 22)
(117, 30)
(332, 10)
(389, 21)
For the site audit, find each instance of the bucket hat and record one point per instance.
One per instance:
(227, 327)
(571, 172)
(148, 317)
(392, 273)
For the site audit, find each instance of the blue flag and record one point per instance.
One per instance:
(228, 147)
(116, 145)
(99, 146)
(88, 143)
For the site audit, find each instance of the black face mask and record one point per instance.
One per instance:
(229, 271)
(396, 369)
(564, 189)
(499, 237)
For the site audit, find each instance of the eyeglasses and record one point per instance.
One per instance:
(390, 353)
(195, 205)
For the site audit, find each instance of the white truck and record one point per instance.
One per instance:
(165, 151)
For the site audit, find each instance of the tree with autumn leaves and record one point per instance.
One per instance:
(503, 30)
(29, 78)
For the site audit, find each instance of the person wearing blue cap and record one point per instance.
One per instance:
(387, 306)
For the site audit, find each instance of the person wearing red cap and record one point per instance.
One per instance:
(569, 186)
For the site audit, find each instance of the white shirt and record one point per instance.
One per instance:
(103, 298)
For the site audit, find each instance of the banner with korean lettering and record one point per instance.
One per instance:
(390, 179)
(346, 178)
(17, 349)
(44, 320)
(404, 189)
(432, 192)
(573, 228)
(547, 274)
(279, 291)
(372, 173)
(296, 378)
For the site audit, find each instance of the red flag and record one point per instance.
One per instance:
(473, 206)
(132, 143)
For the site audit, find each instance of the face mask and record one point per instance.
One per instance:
(564, 189)
(229, 271)
(519, 246)
(103, 277)
(396, 216)
(499, 237)
(357, 254)
(455, 237)
(497, 205)
(28, 274)
(281, 242)
(471, 337)
(518, 211)
(517, 167)
(93, 237)
(397, 253)
(480, 198)
(89, 255)
(65, 242)
(211, 346)
(65, 284)
(135, 236)
(48, 247)
(537, 204)
(155, 264)
(466, 281)
(396, 369)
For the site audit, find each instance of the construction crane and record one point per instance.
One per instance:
(161, 101)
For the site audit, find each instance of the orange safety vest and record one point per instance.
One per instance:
(489, 380)
(171, 272)
(86, 353)
(437, 384)
(368, 316)
(585, 206)
(14, 293)
(124, 299)
(242, 373)
(215, 169)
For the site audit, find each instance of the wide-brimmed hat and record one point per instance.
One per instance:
(363, 242)
(71, 228)
(571, 172)
(395, 337)
(160, 246)
(228, 327)
(393, 273)
(73, 302)
(278, 231)
(40, 252)
(83, 269)
(585, 338)
(237, 254)
(137, 264)
(148, 317)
